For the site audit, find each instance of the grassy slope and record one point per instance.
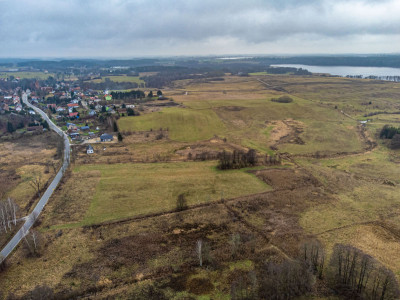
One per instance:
(127, 190)
(242, 119)
(183, 124)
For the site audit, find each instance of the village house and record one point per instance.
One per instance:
(105, 137)
(72, 126)
(18, 107)
(73, 115)
(89, 149)
(72, 105)
(75, 136)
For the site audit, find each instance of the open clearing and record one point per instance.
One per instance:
(126, 190)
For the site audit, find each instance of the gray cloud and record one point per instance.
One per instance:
(161, 27)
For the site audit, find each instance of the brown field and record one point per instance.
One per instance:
(21, 160)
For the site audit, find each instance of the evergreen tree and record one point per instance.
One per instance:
(120, 137)
(10, 127)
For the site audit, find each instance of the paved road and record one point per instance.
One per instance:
(42, 202)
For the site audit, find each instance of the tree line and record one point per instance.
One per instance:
(239, 159)
(128, 95)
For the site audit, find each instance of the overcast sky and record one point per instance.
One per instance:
(136, 28)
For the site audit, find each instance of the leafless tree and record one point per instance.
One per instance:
(181, 202)
(37, 183)
(314, 256)
(53, 165)
(235, 243)
(33, 245)
(8, 214)
(199, 251)
(354, 273)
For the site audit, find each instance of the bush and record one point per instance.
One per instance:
(395, 143)
(388, 132)
(282, 99)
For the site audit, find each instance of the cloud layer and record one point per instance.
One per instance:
(123, 28)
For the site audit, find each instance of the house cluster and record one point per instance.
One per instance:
(80, 132)
(10, 103)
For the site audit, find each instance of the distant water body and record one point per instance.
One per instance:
(347, 70)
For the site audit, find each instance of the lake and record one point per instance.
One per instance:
(346, 70)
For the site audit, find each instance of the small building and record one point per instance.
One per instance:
(92, 113)
(73, 115)
(85, 128)
(105, 137)
(72, 105)
(108, 97)
(18, 107)
(75, 136)
(89, 149)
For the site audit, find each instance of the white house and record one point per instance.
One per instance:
(89, 149)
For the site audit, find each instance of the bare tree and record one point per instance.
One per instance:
(354, 273)
(8, 214)
(181, 202)
(199, 251)
(53, 165)
(235, 243)
(37, 183)
(33, 245)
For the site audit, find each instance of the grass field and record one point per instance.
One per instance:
(183, 124)
(27, 75)
(242, 115)
(121, 78)
(126, 190)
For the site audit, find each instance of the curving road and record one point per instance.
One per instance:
(42, 202)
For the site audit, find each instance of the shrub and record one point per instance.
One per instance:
(282, 99)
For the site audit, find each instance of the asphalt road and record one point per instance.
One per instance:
(47, 194)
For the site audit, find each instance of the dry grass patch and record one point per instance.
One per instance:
(127, 190)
